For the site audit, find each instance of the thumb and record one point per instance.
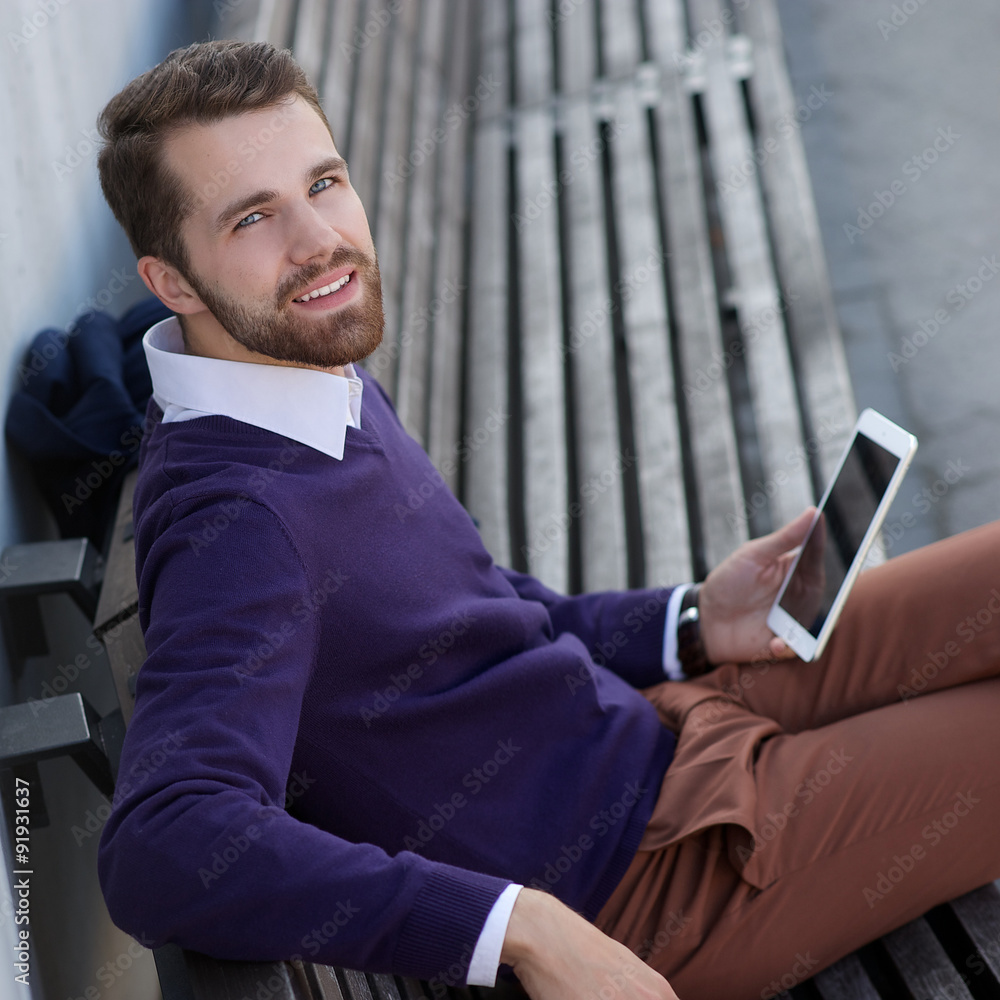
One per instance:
(773, 545)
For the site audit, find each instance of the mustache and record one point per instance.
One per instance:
(341, 257)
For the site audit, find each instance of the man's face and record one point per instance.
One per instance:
(279, 247)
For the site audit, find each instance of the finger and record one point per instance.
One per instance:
(781, 541)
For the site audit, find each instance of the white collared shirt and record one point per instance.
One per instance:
(314, 408)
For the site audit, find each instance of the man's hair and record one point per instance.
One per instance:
(199, 84)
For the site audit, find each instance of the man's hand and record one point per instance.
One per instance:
(737, 595)
(557, 955)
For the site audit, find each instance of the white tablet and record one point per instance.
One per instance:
(847, 521)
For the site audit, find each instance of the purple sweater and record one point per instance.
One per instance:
(332, 637)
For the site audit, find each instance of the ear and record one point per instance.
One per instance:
(169, 286)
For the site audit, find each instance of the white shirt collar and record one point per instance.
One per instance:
(309, 406)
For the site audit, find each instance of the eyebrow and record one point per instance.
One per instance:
(235, 209)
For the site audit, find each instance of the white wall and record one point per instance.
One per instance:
(60, 61)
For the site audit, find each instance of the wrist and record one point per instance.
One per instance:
(529, 919)
(691, 652)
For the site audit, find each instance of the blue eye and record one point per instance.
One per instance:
(249, 220)
(321, 185)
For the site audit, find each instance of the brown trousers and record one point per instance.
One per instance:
(813, 807)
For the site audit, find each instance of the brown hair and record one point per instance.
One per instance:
(195, 85)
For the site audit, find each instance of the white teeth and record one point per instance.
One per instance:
(326, 289)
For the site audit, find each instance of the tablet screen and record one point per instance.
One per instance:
(838, 533)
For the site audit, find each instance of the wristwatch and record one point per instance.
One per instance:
(690, 648)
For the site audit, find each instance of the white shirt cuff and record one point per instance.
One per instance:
(486, 955)
(671, 665)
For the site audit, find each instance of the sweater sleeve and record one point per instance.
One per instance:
(622, 629)
(199, 849)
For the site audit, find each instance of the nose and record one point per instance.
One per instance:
(311, 235)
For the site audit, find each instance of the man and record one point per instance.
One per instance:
(437, 726)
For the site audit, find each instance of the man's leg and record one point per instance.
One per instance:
(860, 826)
(849, 805)
(921, 622)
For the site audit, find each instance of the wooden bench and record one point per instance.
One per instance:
(608, 321)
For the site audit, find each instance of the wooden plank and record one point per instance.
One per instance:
(309, 36)
(126, 651)
(338, 80)
(368, 105)
(444, 410)
(274, 22)
(695, 298)
(354, 985)
(821, 361)
(845, 980)
(390, 207)
(769, 369)
(654, 409)
(590, 343)
(220, 979)
(979, 913)
(485, 488)
(923, 963)
(119, 592)
(541, 322)
(416, 175)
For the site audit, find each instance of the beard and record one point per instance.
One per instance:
(333, 340)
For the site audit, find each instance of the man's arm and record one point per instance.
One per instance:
(199, 849)
(621, 629)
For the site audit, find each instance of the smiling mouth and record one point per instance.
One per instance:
(319, 293)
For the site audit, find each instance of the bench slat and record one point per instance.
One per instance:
(589, 344)
(820, 359)
(444, 416)
(309, 37)
(368, 97)
(695, 298)
(335, 92)
(845, 980)
(666, 538)
(769, 368)
(923, 963)
(543, 416)
(393, 196)
(419, 278)
(485, 483)
(119, 591)
(979, 913)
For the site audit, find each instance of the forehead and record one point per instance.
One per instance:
(269, 148)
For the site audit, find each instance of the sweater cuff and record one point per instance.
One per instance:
(444, 923)
(486, 957)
